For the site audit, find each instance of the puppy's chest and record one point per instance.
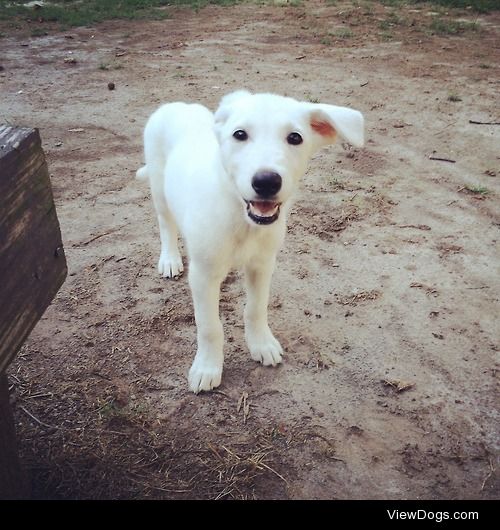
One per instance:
(248, 245)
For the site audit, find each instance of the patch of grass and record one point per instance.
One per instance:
(391, 21)
(110, 409)
(311, 98)
(454, 98)
(394, 20)
(394, 3)
(342, 33)
(386, 35)
(480, 6)
(345, 33)
(385, 25)
(72, 13)
(110, 66)
(441, 26)
(38, 32)
(481, 190)
(367, 8)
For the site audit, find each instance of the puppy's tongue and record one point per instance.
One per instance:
(263, 208)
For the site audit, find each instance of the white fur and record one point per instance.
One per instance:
(200, 178)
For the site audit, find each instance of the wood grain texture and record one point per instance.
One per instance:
(13, 481)
(32, 260)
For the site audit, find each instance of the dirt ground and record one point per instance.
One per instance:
(385, 297)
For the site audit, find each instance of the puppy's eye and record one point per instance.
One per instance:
(240, 135)
(294, 138)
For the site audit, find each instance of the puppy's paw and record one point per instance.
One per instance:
(265, 349)
(204, 375)
(170, 265)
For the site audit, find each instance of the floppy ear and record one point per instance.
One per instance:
(226, 104)
(328, 121)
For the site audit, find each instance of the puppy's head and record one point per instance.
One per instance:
(267, 140)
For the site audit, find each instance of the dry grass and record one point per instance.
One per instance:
(233, 474)
(398, 385)
(356, 298)
(92, 441)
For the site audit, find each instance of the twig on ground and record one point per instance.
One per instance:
(40, 422)
(489, 475)
(475, 122)
(273, 471)
(440, 159)
(92, 239)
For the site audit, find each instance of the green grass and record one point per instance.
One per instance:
(395, 3)
(480, 6)
(344, 33)
(477, 189)
(392, 20)
(38, 32)
(386, 36)
(109, 409)
(440, 26)
(69, 13)
(312, 99)
(110, 66)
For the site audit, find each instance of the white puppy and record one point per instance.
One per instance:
(226, 181)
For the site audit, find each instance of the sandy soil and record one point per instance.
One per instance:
(385, 297)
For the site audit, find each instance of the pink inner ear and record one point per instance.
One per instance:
(323, 128)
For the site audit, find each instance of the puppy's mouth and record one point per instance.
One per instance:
(263, 212)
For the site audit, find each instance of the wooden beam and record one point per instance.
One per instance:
(32, 260)
(13, 482)
(32, 268)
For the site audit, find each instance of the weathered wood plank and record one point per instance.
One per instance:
(32, 260)
(13, 482)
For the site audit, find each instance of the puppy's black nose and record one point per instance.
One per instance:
(266, 183)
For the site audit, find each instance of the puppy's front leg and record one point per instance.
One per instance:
(261, 342)
(206, 370)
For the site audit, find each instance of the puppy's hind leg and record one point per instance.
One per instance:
(170, 262)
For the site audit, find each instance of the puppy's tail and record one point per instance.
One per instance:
(142, 173)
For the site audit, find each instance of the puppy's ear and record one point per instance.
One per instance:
(226, 104)
(328, 121)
